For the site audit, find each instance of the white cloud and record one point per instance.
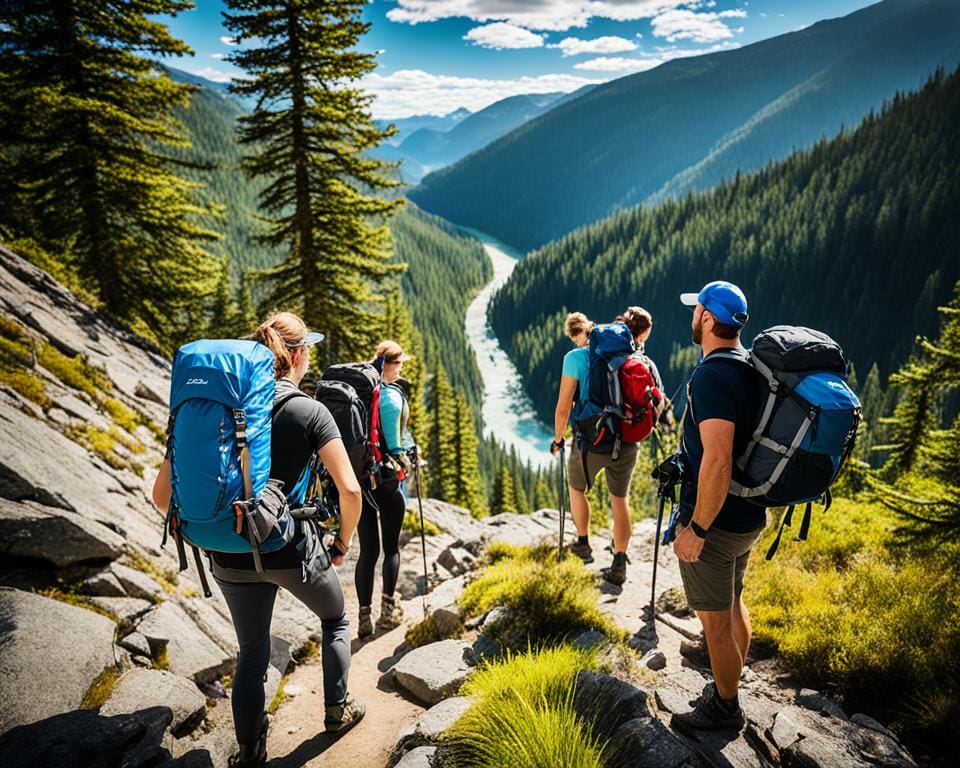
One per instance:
(618, 64)
(547, 15)
(676, 24)
(648, 61)
(415, 92)
(502, 35)
(227, 40)
(217, 56)
(218, 76)
(574, 46)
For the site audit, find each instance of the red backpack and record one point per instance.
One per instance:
(640, 399)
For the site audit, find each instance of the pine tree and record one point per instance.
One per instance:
(469, 482)
(311, 133)
(927, 462)
(86, 128)
(441, 446)
(542, 496)
(504, 497)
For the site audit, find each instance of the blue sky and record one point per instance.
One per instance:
(439, 55)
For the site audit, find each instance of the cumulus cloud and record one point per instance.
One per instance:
(547, 15)
(574, 46)
(678, 24)
(503, 35)
(216, 56)
(415, 92)
(227, 40)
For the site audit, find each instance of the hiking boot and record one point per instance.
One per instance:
(391, 614)
(342, 717)
(252, 755)
(583, 551)
(711, 714)
(365, 622)
(617, 572)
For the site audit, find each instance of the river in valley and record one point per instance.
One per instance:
(508, 414)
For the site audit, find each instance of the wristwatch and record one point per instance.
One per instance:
(698, 530)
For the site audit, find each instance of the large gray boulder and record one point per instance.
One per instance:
(522, 530)
(141, 689)
(50, 653)
(30, 530)
(189, 652)
(434, 672)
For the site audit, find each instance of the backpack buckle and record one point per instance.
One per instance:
(240, 420)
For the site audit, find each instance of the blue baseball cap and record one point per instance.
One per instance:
(723, 299)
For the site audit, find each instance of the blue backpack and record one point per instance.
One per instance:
(218, 442)
(807, 426)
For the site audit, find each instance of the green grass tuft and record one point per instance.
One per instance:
(547, 600)
(411, 523)
(75, 372)
(523, 715)
(101, 688)
(77, 600)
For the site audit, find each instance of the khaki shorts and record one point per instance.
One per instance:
(716, 579)
(618, 472)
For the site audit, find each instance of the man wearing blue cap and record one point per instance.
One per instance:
(715, 532)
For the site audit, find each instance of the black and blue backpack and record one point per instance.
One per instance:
(807, 425)
(218, 443)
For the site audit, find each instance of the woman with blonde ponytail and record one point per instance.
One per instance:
(301, 427)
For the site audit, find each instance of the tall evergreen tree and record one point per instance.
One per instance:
(86, 123)
(504, 496)
(469, 482)
(312, 132)
(441, 445)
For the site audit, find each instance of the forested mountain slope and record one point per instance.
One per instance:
(622, 142)
(858, 237)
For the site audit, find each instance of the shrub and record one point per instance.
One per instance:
(523, 715)
(411, 523)
(547, 600)
(854, 612)
(74, 371)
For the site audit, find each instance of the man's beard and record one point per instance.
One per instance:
(698, 334)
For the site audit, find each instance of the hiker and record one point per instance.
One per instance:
(715, 532)
(389, 497)
(571, 402)
(301, 427)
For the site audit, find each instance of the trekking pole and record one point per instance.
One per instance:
(656, 553)
(562, 505)
(423, 537)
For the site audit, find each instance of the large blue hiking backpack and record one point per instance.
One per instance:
(807, 426)
(218, 443)
(621, 404)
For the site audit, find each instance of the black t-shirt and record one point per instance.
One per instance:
(301, 428)
(726, 389)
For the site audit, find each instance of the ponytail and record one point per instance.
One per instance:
(281, 333)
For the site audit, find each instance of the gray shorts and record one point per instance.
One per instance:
(618, 472)
(716, 579)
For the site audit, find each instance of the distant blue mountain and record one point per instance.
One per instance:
(692, 122)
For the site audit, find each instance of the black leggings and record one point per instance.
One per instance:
(392, 507)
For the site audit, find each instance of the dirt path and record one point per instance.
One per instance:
(297, 737)
(296, 732)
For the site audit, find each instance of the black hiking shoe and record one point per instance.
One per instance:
(583, 551)
(342, 717)
(617, 572)
(252, 755)
(711, 714)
